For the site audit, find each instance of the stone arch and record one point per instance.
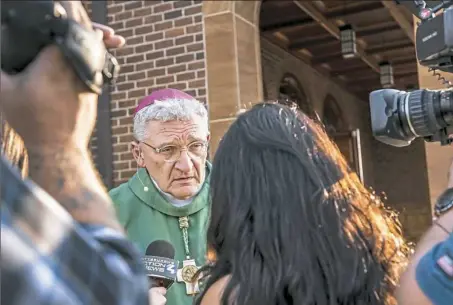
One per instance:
(233, 61)
(333, 118)
(290, 88)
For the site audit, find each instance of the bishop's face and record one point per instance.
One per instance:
(175, 155)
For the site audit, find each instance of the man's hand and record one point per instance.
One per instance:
(46, 105)
(111, 40)
(157, 296)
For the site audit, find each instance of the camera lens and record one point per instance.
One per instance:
(425, 112)
(398, 117)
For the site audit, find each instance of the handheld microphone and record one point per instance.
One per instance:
(160, 264)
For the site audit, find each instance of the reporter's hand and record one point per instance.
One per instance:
(157, 296)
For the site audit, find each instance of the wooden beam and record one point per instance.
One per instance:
(366, 78)
(379, 28)
(400, 18)
(307, 22)
(400, 65)
(321, 48)
(288, 25)
(408, 51)
(320, 40)
(370, 85)
(330, 27)
(388, 47)
(326, 58)
(349, 69)
(360, 32)
(354, 8)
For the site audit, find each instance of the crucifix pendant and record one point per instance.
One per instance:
(186, 275)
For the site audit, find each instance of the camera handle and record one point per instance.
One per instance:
(29, 26)
(440, 136)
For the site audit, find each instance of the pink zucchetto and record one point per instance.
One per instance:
(162, 95)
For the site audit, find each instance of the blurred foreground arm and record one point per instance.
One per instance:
(48, 258)
(54, 113)
(69, 249)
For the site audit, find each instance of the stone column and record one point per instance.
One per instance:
(233, 62)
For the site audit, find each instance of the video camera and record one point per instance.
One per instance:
(399, 117)
(30, 26)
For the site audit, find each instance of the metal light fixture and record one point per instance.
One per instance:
(348, 42)
(386, 71)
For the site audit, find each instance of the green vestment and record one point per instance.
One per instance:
(149, 216)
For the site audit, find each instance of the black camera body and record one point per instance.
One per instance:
(434, 41)
(29, 26)
(399, 117)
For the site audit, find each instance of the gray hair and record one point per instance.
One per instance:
(170, 110)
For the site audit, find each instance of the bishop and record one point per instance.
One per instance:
(171, 183)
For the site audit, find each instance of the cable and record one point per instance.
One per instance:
(442, 79)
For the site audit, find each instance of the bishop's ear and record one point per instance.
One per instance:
(137, 153)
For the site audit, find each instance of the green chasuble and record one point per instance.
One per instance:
(149, 216)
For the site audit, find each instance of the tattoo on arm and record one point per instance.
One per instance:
(69, 176)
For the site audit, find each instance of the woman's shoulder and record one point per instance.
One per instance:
(213, 295)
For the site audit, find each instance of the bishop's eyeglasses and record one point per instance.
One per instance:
(172, 153)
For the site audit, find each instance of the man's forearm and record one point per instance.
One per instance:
(409, 292)
(68, 175)
(435, 234)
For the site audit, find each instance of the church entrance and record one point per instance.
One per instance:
(251, 46)
(347, 140)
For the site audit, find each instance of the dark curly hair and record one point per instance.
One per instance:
(291, 223)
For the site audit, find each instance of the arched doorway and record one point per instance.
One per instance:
(332, 118)
(348, 141)
(291, 90)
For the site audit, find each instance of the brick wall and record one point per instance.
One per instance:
(164, 49)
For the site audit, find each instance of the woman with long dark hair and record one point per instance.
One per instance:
(291, 223)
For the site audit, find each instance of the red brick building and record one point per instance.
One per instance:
(231, 54)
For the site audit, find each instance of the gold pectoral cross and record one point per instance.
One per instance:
(186, 275)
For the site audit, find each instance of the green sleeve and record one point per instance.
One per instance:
(122, 210)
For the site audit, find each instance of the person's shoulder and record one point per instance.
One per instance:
(123, 199)
(213, 295)
(120, 189)
(121, 193)
(434, 273)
